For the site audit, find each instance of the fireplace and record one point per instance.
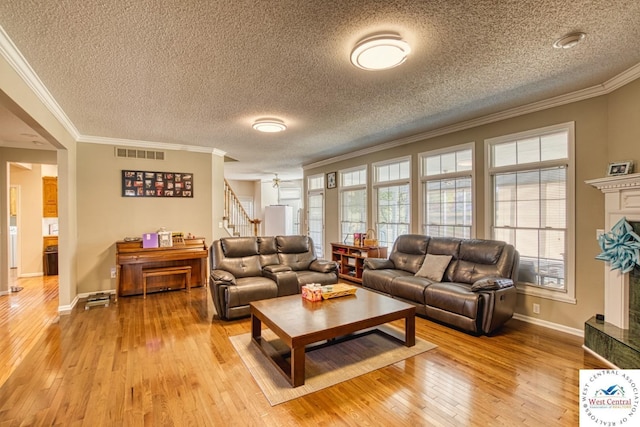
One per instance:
(617, 338)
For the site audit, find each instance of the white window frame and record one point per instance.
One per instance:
(568, 294)
(317, 191)
(382, 184)
(343, 188)
(424, 178)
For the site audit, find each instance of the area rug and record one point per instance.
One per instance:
(325, 366)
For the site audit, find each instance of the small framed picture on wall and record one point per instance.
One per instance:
(331, 180)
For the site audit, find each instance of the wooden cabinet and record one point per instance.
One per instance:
(49, 241)
(350, 259)
(50, 197)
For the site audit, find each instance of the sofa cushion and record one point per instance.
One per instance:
(241, 267)
(297, 262)
(446, 246)
(250, 289)
(234, 247)
(380, 280)
(409, 251)
(453, 297)
(292, 244)
(306, 277)
(410, 288)
(268, 250)
(481, 251)
(482, 258)
(434, 266)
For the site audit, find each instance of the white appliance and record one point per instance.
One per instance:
(278, 220)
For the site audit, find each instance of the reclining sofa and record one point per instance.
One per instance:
(465, 283)
(245, 269)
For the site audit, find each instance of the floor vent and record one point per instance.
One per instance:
(133, 153)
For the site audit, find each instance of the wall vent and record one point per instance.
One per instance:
(133, 153)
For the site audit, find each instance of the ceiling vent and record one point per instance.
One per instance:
(133, 153)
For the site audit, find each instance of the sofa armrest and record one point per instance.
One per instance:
(378, 263)
(276, 268)
(323, 266)
(491, 284)
(223, 276)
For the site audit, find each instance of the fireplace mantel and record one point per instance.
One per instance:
(622, 199)
(615, 183)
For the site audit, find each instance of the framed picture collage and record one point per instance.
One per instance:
(156, 184)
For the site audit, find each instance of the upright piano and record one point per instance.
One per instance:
(132, 259)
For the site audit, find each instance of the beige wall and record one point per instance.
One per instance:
(30, 216)
(624, 124)
(607, 129)
(104, 216)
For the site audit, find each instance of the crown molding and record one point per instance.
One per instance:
(148, 144)
(12, 55)
(605, 88)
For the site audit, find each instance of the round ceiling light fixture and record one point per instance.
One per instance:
(569, 41)
(269, 125)
(380, 52)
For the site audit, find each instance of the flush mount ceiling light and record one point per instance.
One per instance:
(569, 41)
(269, 125)
(380, 52)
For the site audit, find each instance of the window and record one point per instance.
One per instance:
(353, 203)
(447, 192)
(531, 178)
(392, 193)
(315, 212)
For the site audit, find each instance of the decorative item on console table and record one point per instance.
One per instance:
(371, 238)
(351, 258)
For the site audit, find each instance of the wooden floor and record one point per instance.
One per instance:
(167, 361)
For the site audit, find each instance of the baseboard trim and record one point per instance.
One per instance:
(597, 356)
(66, 309)
(550, 325)
(86, 294)
(40, 274)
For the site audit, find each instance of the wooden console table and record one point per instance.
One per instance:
(132, 260)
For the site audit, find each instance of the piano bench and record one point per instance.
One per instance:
(165, 271)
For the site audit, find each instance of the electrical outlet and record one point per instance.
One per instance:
(113, 272)
(536, 308)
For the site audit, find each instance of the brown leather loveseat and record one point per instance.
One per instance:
(466, 283)
(245, 269)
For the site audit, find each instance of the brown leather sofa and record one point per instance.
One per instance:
(475, 292)
(245, 269)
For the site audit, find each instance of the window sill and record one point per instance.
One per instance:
(560, 296)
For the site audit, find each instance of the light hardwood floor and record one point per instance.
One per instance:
(167, 361)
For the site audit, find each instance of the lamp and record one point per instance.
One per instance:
(269, 125)
(380, 52)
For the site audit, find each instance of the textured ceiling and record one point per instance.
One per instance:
(200, 72)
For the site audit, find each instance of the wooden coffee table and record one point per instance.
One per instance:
(299, 323)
